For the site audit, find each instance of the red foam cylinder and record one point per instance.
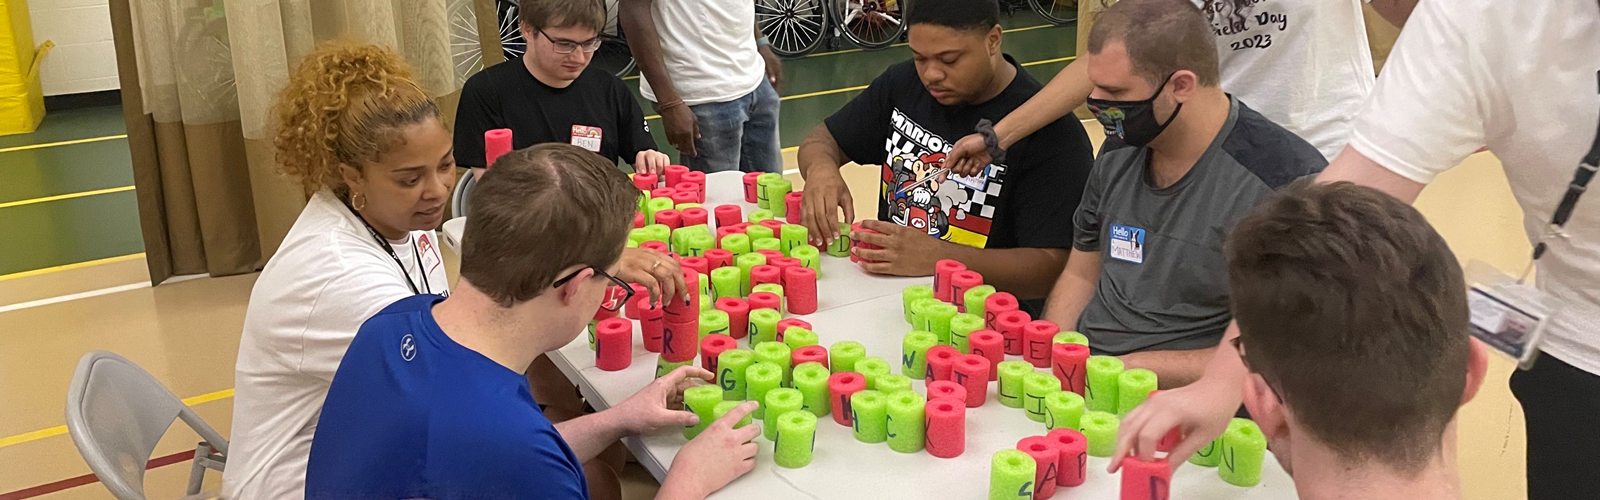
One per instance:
(640, 301)
(774, 224)
(784, 263)
(728, 215)
(765, 300)
(638, 220)
(809, 354)
(791, 201)
(687, 308)
(960, 282)
(841, 386)
(943, 271)
(1011, 325)
(785, 325)
(601, 313)
(738, 315)
(1073, 467)
(670, 218)
(689, 187)
(857, 244)
(800, 285)
(998, 303)
(941, 360)
(972, 372)
(991, 345)
(711, 347)
(681, 340)
(694, 216)
(1036, 337)
(764, 274)
(726, 230)
(681, 197)
(692, 177)
(496, 142)
(653, 329)
(613, 344)
(1046, 455)
(659, 246)
(771, 254)
(646, 182)
(697, 264)
(663, 192)
(750, 186)
(1146, 480)
(675, 174)
(1069, 363)
(945, 389)
(1173, 437)
(718, 258)
(947, 428)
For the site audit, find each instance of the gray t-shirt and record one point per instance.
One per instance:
(1163, 281)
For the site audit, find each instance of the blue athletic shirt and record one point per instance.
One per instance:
(413, 414)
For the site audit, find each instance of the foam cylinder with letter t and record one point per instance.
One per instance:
(1046, 454)
(961, 327)
(905, 425)
(1100, 392)
(1074, 464)
(943, 270)
(996, 304)
(759, 379)
(812, 382)
(1011, 475)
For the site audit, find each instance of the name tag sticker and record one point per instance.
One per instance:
(586, 137)
(1127, 243)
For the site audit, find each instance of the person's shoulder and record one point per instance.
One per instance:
(900, 73)
(1270, 152)
(322, 240)
(490, 78)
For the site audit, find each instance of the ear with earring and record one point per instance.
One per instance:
(358, 201)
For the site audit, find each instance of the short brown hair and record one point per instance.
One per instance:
(1162, 37)
(540, 210)
(541, 14)
(1353, 308)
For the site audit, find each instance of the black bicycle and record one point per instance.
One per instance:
(798, 27)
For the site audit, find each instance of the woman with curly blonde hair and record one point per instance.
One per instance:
(373, 152)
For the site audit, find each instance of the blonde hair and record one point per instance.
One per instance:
(345, 104)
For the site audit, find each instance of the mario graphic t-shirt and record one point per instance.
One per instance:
(1026, 202)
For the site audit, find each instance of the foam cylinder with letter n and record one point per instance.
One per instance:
(1146, 479)
(869, 416)
(947, 428)
(999, 302)
(945, 389)
(1133, 387)
(812, 382)
(873, 367)
(990, 345)
(1011, 475)
(801, 282)
(791, 203)
(614, 344)
(1069, 363)
(759, 379)
(1210, 455)
(1101, 429)
(738, 312)
(890, 384)
(910, 295)
(775, 353)
(943, 270)
(731, 365)
(714, 322)
(702, 400)
(810, 353)
(711, 347)
(973, 301)
(914, 353)
(844, 354)
(796, 439)
(1244, 448)
(1035, 387)
(961, 327)
(1012, 374)
(1073, 468)
(972, 372)
(751, 186)
(1036, 336)
(1063, 410)
(1046, 454)
(1100, 392)
(905, 425)
(841, 386)
(1011, 325)
(728, 215)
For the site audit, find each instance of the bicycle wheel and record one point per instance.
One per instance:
(614, 56)
(1057, 12)
(870, 24)
(511, 42)
(795, 27)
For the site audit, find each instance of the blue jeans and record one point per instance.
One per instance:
(741, 134)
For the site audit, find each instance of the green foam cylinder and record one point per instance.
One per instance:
(1210, 455)
(910, 295)
(731, 365)
(702, 400)
(961, 327)
(663, 367)
(763, 326)
(797, 438)
(760, 215)
(939, 317)
(713, 322)
(975, 300)
(638, 235)
(759, 232)
(762, 182)
(725, 282)
(632, 244)
(891, 384)
(1101, 430)
(792, 236)
(706, 291)
(811, 379)
(796, 337)
(869, 416)
(682, 206)
(843, 355)
(1011, 474)
(905, 425)
(841, 245)
(737, 244)
(809, 257)
(698, 243)
(1011, 378)
(1035, 387)
(745, 263)
(593, 324)
(759, 379)
(644, 198)
(778, 402)
(655, 205)
(726, 406)
(773, 244)
(707, 304)
(1070, 338)
(1063, 410)
(659, 232)
(1100, 392)
(1133, 387)
(775, 353)
(873, 367)
(919, 313)
(776, 190)
(1244, 448)
(914, 353)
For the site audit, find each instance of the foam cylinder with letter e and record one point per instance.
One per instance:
(1101, 429)
(1146, 479)
(1011, 475)
(972, 372)
(945, 389)
(841, 386)
(1035, 387)
(961, 328)
(711, 347)
(810, 353)
(914, 353)
(973, 301)
(905, 425)
(812, 382)
(759, 379)
(1133, 387)
(844, 354)
(943, 270)
(1000, 302)
(702, 400)
(791, 204)
(796, 438)
(1244, 448)
(946, 429)
(1073, 468)
(869, 416)
(990, 345)
(614, 344)
(738, 312)
(731, 365)
(890, 384)
(1100, 392)
(939, 317)
(763, 326)
(801, 282)
(1011, 324)
(1012, 374)
(1069, 363)
(775, 353)
(910, 295)
(1046, 454)
(873, 367)
(1063, 410)
(1036, 337)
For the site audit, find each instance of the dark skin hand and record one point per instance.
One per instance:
(906, 251)
(645, 43)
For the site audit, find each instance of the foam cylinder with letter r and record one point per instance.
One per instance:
(801, 282)
(1036, 338)
(906, 428)
(945, 389)
(688, 309)
(972, 372)
(496, 142)
(746, 263)
(1011, 475)
(767, 300)
(775, 353)
(941, 360)
(1011, 325)
(890, 384)
(1035, 387)
(778, 403)
(961, 327)
(840, 247)
(1073, 466)
(1133, 387)
(810, 257)
(738, 244)
(759, 379)
(990, 345)
(1100, 391)
(681, 341)
(1063, 410)
(844, 354)
(731, 365)
(841, 386)
(1147, 479)
(1000, 302)
(726, 406)
(725, 283)
(796, 439)
(810, 353)
(914, 353)
(869, 416)
(798, 336)
(614, 344)
(1244, 448)
(910, 295)
(943, 270)
(702, 400)
(728, 215)
(947, 428)
(653, 328)
(738, 312)
(1012, 374)
(714, 322)
(1069, 363)
(711, 347)
(645, 182)
(663, 366)
(974, 300)
(1046, 456)
(791, 204)
(751, 187)
(960, 282)
(812, 382)
(873, 367)
(1101, 429)
(674, 174)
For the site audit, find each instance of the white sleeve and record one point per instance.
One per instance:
(1427, 112)
(368, 282)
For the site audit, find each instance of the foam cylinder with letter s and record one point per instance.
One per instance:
(961, 328)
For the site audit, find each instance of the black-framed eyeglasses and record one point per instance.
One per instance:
(565, 46)
(616, 296)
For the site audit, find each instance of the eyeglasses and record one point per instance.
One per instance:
(565, 46)
(619, 293)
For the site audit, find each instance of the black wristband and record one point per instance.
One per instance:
(985, 128)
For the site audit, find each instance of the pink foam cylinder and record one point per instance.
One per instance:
(947, 428)
(646, 182)
(1069, 363)
(764, 274)
(1011, 325)
(653, 328)
(943, 271)
(689, 187)
(1173, 436)
(726, 230)
(697, 264)
(692, 177)
(785, 325)
(1047, 456)
(682, 340)
(663, 192)
(671, 218)
(841, 386)
(674, 174)
(496, 142)
(750, 186)
(681, 197)
(941, 360)
(639, 302)
(960, 282)
(771, 254)
(728, 215)
(783, 264)
(613, 344)
(997, 303)
(694, 216)
(687, 308)
(1073, 466)
(972, 372)
(1036, 338)
(791, 202)
(638, 220)
(601, 313)
(809, 354)
(718, 258)
(991, 345)
(774, 224)
(738, 315)
(764, 300)
(659, 246)
(1146, 479)
(800, 285)
(713, 346)
(945, 389)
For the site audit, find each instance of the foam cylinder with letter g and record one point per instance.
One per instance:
(731, 365)
(1011, 475)
(1011, 324)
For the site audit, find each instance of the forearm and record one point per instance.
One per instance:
(590, 434)
(1173, 368)
(1225, 371)
(819, 153)
(1068, 90)
(1355, 167)
(645, 43)
(1073, 289)
(1023, 272)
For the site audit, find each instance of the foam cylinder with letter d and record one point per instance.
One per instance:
(1146, 480)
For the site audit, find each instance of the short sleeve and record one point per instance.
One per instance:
(630, 120)
(368, 282)
(1427, 112)
(1086, 222)
(475, 114)
(1058, 161)
(861, 126)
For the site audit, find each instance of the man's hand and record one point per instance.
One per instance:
(969, 156)
(905, 252)
(681, 128)
(713, 459)
(660, 404)
(1200, 412)
(651, 161)
(825, 194)
(774, 67)
(658, 273)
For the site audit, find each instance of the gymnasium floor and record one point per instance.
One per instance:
(68, 215)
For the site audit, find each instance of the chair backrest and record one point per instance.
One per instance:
(463, 192)
(116, 413)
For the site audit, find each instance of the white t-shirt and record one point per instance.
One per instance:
(1519, 77)
(1304, 64)
(328, 278)
(709, 47)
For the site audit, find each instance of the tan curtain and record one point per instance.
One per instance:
(199, 78)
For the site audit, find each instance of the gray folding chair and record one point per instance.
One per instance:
(116, 412)
(463, 192)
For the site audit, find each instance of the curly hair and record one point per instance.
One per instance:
(344, 105)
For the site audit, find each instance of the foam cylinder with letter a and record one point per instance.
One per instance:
(1036, 337)
(751, 186)
(614, 344)
(1244, 448)
(801, 284)
(797, 438)
(809, 354)
(972, 372)
(717, 258)
(1046, 454)
(713, 346)
(1073, 468)
(841, 386)
(961, 327)
(910, 295)
(945, 389)
(763, 325)
(775, 353)
(1011, 475)
(906, 428)
(914, 353)
(1012, 374)
(1133, 387)
(1063, 410)
(776, 403)
(947, 428)
(674, 174)
(731, 365)
(1101, 429)
(869, 416)
(973, 301)
(844, 354)
(1000, 302)
(1146, 479)
(1069, 363)
(1100, 392)
(873, 367)
(1035, 387)
(812, 382)
(496, 142)
(791, 203)
(990, 345)
(960, 282)
(759, 379)
(943, 270)
(941, 360)
(1011, 325)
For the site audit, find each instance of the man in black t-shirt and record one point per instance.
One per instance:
(1013, 223)
(553, 95)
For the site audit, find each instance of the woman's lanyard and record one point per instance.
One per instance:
(415, 253)
(1580, 183)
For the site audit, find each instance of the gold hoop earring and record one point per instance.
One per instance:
(358, 201)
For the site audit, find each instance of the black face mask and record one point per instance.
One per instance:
(1132, 121)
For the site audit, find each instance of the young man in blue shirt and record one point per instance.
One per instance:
(430, 400)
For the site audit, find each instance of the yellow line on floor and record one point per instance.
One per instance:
(67, 196)
(69, 267)
(63, 143)
(62, 429)
(1048, 61)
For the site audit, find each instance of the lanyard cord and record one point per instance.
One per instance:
(383, 243)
